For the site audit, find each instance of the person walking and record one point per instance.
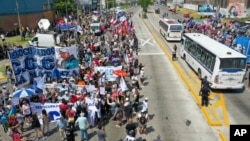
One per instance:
(136, 98)
(37, 127)
(101, 133)
(204, 93)
(118, 115)
(69, 131)
(83, 126)
(143, 119)
(131, 128)
(61, 125)
(46, 121)
(205, 82)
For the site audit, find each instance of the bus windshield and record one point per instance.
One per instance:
(232, 63)
(175, 28)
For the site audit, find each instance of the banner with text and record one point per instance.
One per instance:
(67, 61)
(51, 108)
(31, 62)
(108, 70)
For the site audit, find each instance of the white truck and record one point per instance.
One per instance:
(45, 40)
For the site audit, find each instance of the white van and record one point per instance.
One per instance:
(95, 28)
(44, 40)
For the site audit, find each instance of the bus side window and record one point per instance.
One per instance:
(212, 63)
(203, 56)
(208, 61)
(198, 56)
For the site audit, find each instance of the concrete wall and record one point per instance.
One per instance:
(10, 22)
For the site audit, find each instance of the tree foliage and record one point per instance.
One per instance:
(65, 6)
(145, 3)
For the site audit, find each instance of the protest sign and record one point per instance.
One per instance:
(67, 61)
(51, 108)
(108, 70)
(31, 62)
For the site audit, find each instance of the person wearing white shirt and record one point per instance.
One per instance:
(145, 105)
(135, 81)
(142, 76)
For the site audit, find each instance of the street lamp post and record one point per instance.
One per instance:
(18, 15)
(48, 4)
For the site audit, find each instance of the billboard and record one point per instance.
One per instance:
(205, 8)
(236, 8)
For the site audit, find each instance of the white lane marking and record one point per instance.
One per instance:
(144, 42)
(145, 54)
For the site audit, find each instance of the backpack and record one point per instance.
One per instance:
(143, 119)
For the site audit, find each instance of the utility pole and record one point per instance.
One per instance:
(48, 5)
(18, 15)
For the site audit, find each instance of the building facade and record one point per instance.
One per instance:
(29, 11)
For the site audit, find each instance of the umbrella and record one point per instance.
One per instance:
(120, 73)
(24, 92)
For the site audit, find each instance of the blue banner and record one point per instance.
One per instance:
(31, 62)
(244, 42)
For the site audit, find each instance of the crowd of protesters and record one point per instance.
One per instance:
(112, 48)
(223, 32)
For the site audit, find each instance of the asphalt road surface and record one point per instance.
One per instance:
(174, 114)
(227, 106)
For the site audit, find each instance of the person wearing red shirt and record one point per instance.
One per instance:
(70, 113)
(63, 107)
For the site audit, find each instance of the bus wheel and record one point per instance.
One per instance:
(199, 74)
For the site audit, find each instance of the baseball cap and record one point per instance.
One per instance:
(64, 49)
(143, 110)
(146, 98)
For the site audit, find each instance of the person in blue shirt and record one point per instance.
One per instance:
(68, 60)
(4, 122)
(61, 125)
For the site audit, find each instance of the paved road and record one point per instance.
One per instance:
(173, 112)
(225, 104)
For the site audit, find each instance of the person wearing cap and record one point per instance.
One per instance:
(128, 109)
(68, 60)
(145, 104)
(142, 118)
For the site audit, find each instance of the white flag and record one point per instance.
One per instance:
(123, 84)
(126, 58)
(41, 82)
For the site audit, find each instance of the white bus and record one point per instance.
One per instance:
(224, 67)
(170, 29)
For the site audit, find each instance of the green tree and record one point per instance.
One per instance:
(144, 4)
(111, 3)
(65, 6)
